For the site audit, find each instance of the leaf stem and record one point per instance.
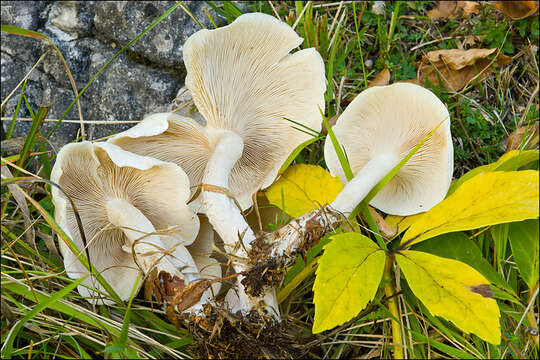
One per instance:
(392, 306)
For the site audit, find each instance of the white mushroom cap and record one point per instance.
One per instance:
(388, 121)
(172, 138)
(244, 79)
(102, 177)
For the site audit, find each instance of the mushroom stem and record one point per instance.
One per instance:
(285, 242)
(220, 209)
(227, 219)
(148, 246)
(356, 190)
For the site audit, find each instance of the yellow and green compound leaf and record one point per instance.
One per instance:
(348, 277)
(303, 188)
(510, 161)
(486, 199)
(402, 223)
(523, 237)
(454, 291)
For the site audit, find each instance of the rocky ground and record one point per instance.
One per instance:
(144, 79)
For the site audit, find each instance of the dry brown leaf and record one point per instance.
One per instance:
(387, 230)
(455, 67)
(190, 295)
(517, 10)
(447, 9)
(333, 119)
(382, 78)
(523, 135)
(470, 40)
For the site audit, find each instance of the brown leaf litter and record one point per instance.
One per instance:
(517, 10)
(454, 69)
(448, 9)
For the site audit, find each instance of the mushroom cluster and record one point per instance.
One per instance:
(250, 90)
(132, 192)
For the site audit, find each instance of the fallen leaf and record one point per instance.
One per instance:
(447, 9)
(382, 78)
(469, 7)
(454, 291)
(517, 10)
(304, 188)
(523, 135)
(455, 67)
(190, 295)
(387, 230)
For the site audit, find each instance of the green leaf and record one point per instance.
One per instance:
(454, 291)
(304, 188)
(7, 347)
(511, 161)
(347, 278)
(337, 148)
(486, 199)
(525, 249)
(499, 233)
(459, 247)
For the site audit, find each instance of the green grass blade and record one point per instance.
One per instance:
(38, 36)
(359, 44)
(308, 131)
(72, 246)
(37, 122)
(455, 353)
(120, 345)
(295, 153)
(16, 113)
(7, 348)
(22, 290)
(339, 151)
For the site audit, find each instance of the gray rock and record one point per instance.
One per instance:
(119, 22)
(74, 17)
(143, 80)
(126, 91)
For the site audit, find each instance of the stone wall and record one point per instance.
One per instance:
(144, 79)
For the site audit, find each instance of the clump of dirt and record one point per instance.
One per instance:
(262, 276)
(220, 334)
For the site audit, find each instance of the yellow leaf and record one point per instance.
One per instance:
(454, 291)
(402, 223)
(348, 277)
(486, 199)
(305, 188)
(510, 161)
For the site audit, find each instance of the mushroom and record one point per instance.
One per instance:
(247, 86)
(201, 249)
(122, 198)
(377, 130)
